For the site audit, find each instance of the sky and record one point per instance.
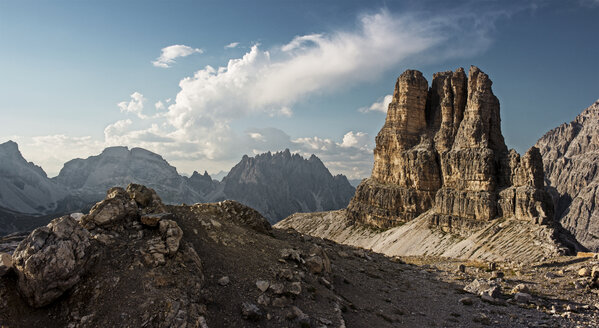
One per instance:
(204, 82)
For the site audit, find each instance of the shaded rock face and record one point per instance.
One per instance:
(281, 184)
(571, 161)
(441, 149)
(119, 166)
(51, 260)
(25, 187)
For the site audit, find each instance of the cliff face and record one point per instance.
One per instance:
(571, 161)
(280, 184)
(441, 150)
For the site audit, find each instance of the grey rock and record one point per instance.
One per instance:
(314, 264)
(51, 260)
(522, 297)
(467, 300)
(224, 281)
(262, 285)
(570, 155)
(171, 234)
(250, 311)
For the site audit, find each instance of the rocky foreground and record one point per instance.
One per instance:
(134, 262)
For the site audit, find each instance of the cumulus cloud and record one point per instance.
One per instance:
(232, 45)
(159, 105)
(378, 106)
(170, 53)
(196, 125)
(270, 82)
(134, 106)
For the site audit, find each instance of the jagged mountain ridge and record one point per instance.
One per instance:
(444, 182)
(571, 162)
(82, 182)
(280, 184)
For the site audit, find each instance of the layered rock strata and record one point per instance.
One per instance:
(441, 150)
(571, 163)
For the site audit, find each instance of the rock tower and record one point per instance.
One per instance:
(441, 151)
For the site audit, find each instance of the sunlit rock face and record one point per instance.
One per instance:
(441, 150)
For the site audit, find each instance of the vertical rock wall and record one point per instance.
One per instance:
(441, 150)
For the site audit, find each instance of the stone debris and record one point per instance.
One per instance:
(522, 297)
(292, 254)
(152, 219)
(262, 285)
(224, 281)
(250, 311)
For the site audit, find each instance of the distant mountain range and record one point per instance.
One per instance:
(277, 184)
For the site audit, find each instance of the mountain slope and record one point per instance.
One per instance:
(571, 161)
(221, 265)
(119, 166)
(444, 183)
(24, 186)
(280, 184)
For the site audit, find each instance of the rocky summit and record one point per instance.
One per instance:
(441, 166)
(441, 150)
(280, 184)
(571, 159)
(133, 261)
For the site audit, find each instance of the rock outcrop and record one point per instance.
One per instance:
(51, 260)
(441, 151)
(571, 163)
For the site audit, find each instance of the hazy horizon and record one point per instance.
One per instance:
(202, 85)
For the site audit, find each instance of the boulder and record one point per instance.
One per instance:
(113, 211)
(51, 260)
(5, 263)
(171, 234)
(146, 198)
(314, 264)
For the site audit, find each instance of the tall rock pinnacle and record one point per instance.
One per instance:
(441, 150)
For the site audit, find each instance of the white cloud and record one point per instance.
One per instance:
(196, 126)
(358, 139)
(232, 45)
(270, 82)
(170, 53)
(134, 106)
(378, 106)
(159, 105)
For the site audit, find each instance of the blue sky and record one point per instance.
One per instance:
(77, 76)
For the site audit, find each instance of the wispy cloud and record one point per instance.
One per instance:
(232, 45)
(170, 53)
(196, 125)
(378, 106)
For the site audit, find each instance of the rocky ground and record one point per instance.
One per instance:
(133, 262)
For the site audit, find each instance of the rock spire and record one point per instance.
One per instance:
(441, 150)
